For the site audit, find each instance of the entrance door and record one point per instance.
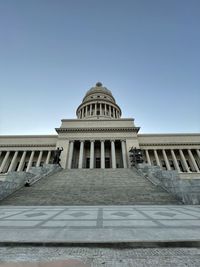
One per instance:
(87, 163)
(98, 163)
(107, 163)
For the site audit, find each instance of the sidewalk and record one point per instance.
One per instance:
(99, 224)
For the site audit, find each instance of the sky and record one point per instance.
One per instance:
(147, 52)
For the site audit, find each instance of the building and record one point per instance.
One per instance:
(100, 138)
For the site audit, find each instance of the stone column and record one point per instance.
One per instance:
(114, 115)
(109, 110)
(90, 109)
(102, 154)
(30, 161)
(48, 157)
(39, 159)
(100, 109)
(124, 153)
(193, 160)
(92, 154)
(13, 162)
(147, 156)
(184, 161)
(166, 160)
(105, 108)
(70, 156)
(198, 153)
(113, 155)
(95, 109)
(4, 161)
(156, 157)
(22, 161)
(175, 161)
(80, 161)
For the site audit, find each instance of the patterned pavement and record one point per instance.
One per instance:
(99, 223)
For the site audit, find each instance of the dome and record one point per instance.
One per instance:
(98, 88)
(98, 103)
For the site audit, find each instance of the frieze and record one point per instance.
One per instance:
(130, 129)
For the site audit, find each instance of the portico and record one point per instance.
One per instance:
(92, 154)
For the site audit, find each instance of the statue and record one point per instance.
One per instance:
(56, 156)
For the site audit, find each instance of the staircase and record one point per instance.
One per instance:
(92, 187)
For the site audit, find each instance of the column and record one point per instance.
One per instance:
(102, 154)
(13, 162)
(70, 156)
(30, 161)
(48, 157)
(147, 157)
(198, 153)
(100, 109)
(105, 109)
(184, 161)
(4, 161)
(92, 154)
(39, 159)
(22, 161)
(113, 154)
(166, 160)
(124, 154)
(80, 161)
(90, 109)
(95, 109)
(156, 157)
(175, 161)
(193, 160)
(109, 110)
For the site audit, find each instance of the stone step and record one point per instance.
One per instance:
(92, 187)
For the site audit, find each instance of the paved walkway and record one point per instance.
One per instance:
(99, 224)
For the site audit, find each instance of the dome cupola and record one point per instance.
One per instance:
(98, 103)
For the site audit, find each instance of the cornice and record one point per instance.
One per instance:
(27, 145)
(171, 144)
(97, 120)
(168, 134)
(127, 129)
(29, 136)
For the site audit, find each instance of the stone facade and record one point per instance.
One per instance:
(100, 138)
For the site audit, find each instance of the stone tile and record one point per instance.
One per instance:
(131, 223)
(162, 215)
(121, 214)
(34, 215)
(4, 214)
(78, 214)
(69, 224)
(8, 223)
(183, 223)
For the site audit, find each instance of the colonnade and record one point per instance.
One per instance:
(23, 160)
(92, 156)
(98, 109)
(182, 160)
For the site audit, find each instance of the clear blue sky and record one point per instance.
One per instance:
(147, 52)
